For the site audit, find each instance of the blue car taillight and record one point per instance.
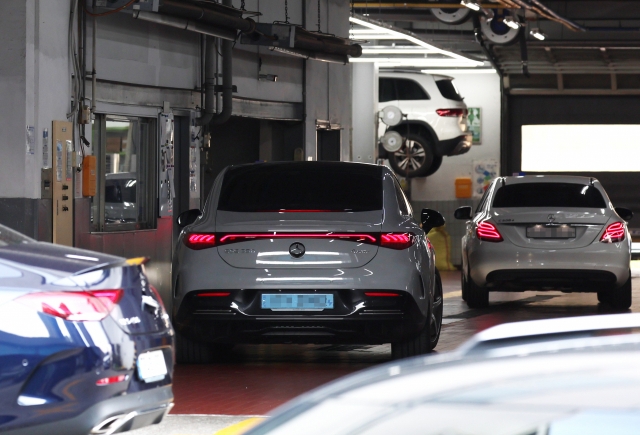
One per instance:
(74, 306)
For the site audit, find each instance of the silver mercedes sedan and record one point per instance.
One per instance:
(546, 233)
(306, 252)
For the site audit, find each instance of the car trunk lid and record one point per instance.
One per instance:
(547, 228)
(312, 240)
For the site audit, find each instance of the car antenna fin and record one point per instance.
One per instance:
(503, 181)
(592, 181)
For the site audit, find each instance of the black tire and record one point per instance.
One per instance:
(621, 297)
(414, 159)
(604, 296)
(435, 165)
(437, 311)
(477, 297)
(417, 345)
(192, 352)
(463, 285)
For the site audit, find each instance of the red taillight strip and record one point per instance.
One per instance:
(233, 238)
(381, 294)
(213, 294)
(111, 380)
(488, 232)
(451, 112)
(614, 233)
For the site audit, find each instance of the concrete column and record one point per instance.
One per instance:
(365, 106)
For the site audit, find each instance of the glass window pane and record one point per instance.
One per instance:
(410, 90)
(559, 195)
(386, 91)
(448, 90)
(321, 186)
(121, 170)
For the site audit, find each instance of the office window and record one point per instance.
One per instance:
(126, 194)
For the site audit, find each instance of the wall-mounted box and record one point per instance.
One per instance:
(463, 187)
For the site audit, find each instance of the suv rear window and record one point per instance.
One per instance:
(548, 195)
(400, 89)
(304, 186)
(449, 90)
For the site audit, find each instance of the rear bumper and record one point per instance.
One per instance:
(355, 319)
(502, 266)
(456, 146)
(571, 279)
(130, 411)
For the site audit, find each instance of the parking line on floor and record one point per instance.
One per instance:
(241, 427)
(452, 294)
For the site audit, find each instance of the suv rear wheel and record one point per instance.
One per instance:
(415, 158)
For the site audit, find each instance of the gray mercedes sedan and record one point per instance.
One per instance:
(306, 252)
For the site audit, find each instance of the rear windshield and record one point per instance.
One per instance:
(548, 195)
(11, 237)
(305, 186)
(449, 90)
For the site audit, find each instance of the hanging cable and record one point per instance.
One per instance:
(242, 6)
(286, 12)
(319, 29)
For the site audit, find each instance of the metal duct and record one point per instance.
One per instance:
(314, 55)
(185, 24)
(214, 14)
(227, 79)
(209, 82)
(307, 40)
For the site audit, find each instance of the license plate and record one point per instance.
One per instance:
(152, 366)
(551, 232)
(289, 302)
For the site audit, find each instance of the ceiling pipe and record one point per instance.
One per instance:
(214, 14)
(314, 55)
(209, 82)
(227, 78)
(185, 24)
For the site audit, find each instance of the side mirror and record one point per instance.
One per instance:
(430, 219)
(624, 213)
(188, 217)
(463, 213)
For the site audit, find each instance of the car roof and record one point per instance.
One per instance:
(358, 165)
(552, 386)
(573, 179)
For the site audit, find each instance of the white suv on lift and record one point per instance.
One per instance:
(434, 121)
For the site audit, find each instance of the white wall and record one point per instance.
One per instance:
(478, 90)
(34, 84)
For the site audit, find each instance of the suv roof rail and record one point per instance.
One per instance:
(553, 335)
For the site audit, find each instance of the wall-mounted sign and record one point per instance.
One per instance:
(475, 124)
(484, 171)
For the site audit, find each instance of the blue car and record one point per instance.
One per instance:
(86, 345)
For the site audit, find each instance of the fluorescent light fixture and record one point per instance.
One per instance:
(511, 22)
(396, 50)
(394, 34)
(419, 62)
(470, 4)
(580, 148)
(536, 33)
(460, 71)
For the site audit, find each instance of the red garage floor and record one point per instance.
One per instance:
(253, 380)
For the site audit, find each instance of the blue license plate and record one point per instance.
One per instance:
(289, 302)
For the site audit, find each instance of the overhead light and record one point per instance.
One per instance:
(418, 62)
(511, 22)
(394, 34)
(396, 50)
(536, 33)
(470, 4)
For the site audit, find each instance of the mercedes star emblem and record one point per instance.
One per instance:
(296, 250)
(551, 218)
